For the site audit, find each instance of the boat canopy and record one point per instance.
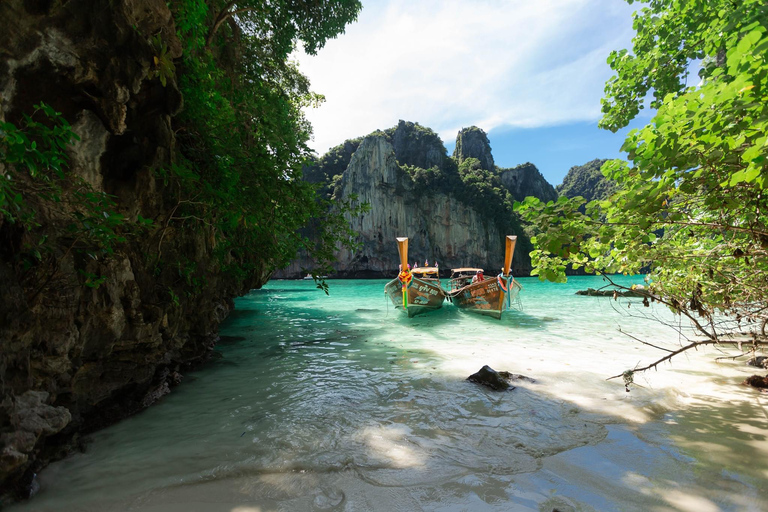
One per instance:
(466, 269)
(424, 270)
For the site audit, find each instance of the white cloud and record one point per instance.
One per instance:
(447, 64)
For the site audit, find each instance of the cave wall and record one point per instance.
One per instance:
(74, 357)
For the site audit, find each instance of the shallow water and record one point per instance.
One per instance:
(341, 403)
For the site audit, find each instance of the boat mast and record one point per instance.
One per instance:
(510, 250)
(402, 247)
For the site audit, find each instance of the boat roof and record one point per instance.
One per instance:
(466, 269)
(424, 270)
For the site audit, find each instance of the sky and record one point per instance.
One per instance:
(529, 72)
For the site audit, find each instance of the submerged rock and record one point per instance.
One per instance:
(516, 376)
(487, 376)
(759, 361)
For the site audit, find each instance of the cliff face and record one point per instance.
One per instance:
(526, 180)
(75, 354)
(439, 226)
(472, 142)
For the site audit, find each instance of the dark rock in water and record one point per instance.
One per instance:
(756, 381)
(611, 292)
(759, 361)
(487, 376)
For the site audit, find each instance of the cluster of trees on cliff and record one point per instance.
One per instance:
(691, 205)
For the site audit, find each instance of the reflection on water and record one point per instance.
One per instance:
(340, 402)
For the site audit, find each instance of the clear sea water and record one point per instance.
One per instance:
(340, 402)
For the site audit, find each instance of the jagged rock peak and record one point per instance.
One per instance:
(587, 181)
(373, 160)
(473, 142)
(526, 180)
(417, 145)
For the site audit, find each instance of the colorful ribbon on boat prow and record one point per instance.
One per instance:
(406, 279)
(505, 282)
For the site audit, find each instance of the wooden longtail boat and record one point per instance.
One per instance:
(415, 291)
(492, 295)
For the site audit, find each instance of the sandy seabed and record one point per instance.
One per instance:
(366, 411)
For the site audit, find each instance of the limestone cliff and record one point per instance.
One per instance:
(472, 142)
(417, 146)
(439, 225)
(525, 180)
(87, 338)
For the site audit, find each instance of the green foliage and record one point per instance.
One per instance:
(164, 68)
(279, 24)
(692, 204)
(434, 180)
(243, 135)
(325, 169)
(587, 181)
(35, 181)
(36, 150)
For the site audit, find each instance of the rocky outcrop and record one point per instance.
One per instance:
(31, 418)
(490, 378)
(87, 338)
(417, 146)
(439, 226)
(472, 142)
(586, 181)
(526, 180)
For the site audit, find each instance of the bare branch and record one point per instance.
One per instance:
(695, 344)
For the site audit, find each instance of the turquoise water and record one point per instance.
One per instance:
(340, 402)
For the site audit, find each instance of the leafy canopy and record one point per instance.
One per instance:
(691, 205)
(242, 134)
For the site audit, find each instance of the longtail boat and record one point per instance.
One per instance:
(416, 290)
(469, 289)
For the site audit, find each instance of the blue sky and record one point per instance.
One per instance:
(530, 73)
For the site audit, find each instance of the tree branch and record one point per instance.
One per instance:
(694, 344)
(223, 16)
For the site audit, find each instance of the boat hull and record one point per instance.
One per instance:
(485, 297)
(423, 296)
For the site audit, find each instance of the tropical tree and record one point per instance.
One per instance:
(691, 205)
(242, 134)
